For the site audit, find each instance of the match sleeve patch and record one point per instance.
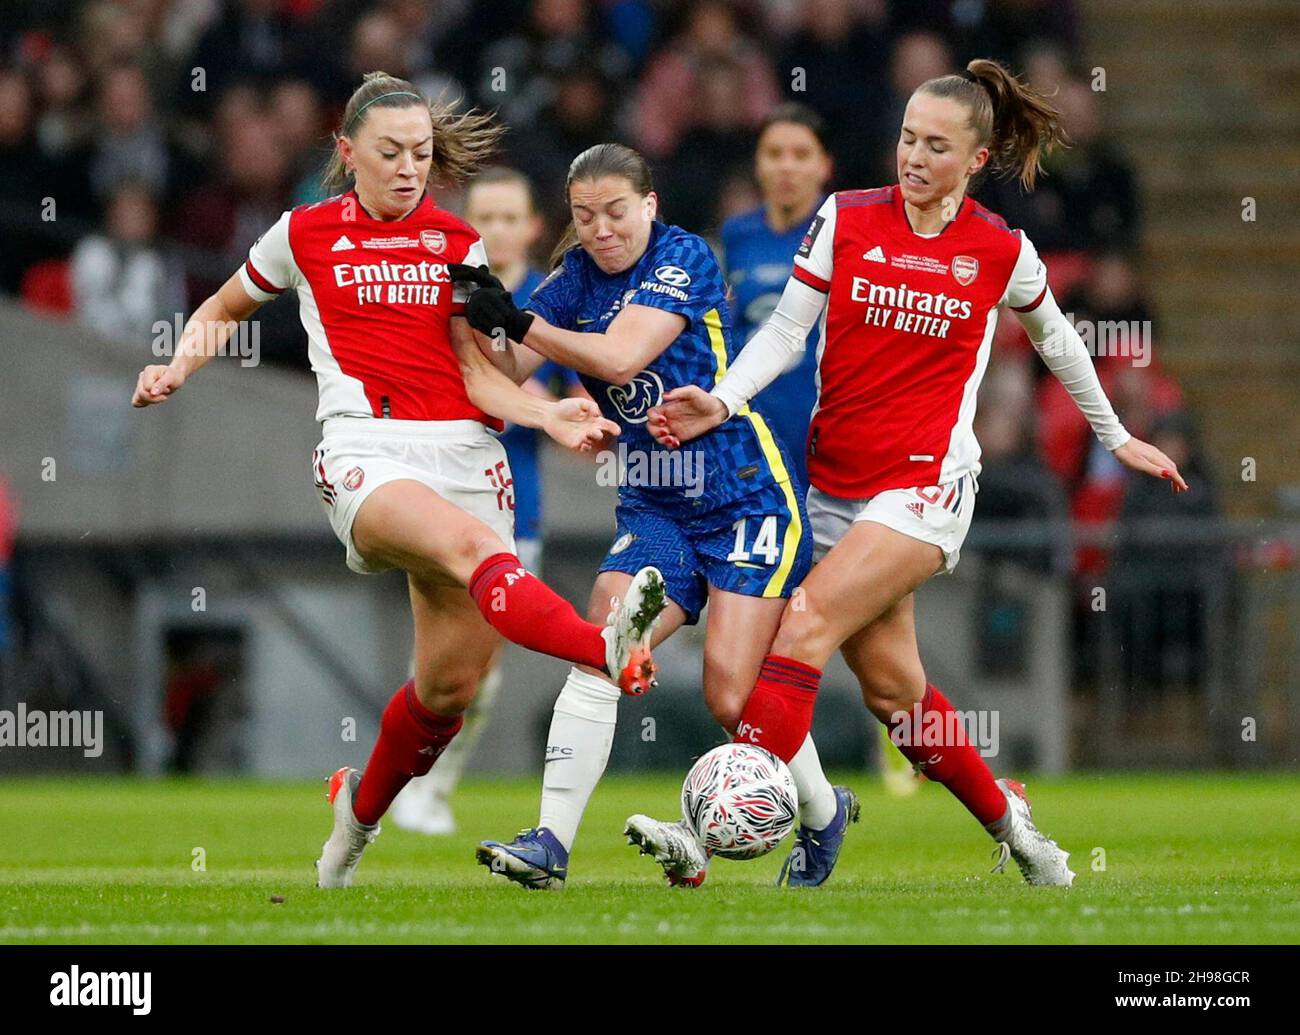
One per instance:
(815, 254)
(810, 238)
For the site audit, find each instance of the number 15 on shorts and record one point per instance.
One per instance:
(764, 545)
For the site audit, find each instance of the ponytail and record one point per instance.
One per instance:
(461, 142)
(1016, 123)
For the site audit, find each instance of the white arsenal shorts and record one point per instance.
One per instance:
(939, 514)
(457, 459)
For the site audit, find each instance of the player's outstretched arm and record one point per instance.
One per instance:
(205, 333)
(634, 339)
(631, 343)
(689, 412)
(1061, 348)
(574, 423)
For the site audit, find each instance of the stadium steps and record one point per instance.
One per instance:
(1205, 98)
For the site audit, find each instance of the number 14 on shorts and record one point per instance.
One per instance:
(764, 545)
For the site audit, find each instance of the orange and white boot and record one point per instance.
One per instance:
(342, 852)
(628, 629)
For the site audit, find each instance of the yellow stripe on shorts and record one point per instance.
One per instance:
(771, 453)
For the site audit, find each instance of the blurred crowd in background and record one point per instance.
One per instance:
(145, 144)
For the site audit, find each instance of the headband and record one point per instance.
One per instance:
(396, 93)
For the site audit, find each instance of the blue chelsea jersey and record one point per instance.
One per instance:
(677, 273)
(758, 261)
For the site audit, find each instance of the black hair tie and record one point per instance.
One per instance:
(969, 76)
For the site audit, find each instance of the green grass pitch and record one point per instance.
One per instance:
(1187, 859)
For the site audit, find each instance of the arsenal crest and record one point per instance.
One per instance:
(434, 240)
(353, 479)
(965, 269)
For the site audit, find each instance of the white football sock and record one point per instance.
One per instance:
(577, 748)
(817, 803)
(450, 766)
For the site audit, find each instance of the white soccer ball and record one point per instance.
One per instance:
(740, 801)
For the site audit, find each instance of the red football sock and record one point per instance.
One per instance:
(940, 746)
(410, 740)
(779, 712)
(526, 611)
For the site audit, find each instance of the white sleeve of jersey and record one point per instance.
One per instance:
(1056, 340)
(270, 268)
(815, 254)
(475, 256)
(778, 346)
(1028, 281)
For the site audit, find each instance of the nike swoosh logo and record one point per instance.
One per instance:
(746, 564)
(582, 321)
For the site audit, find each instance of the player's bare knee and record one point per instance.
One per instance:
(802, 634)
(885, 694)
(474, 544)
(726, 710)
(450, 692)
(725, 690)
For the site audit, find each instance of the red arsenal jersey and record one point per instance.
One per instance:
(376, 300)
(905, 337)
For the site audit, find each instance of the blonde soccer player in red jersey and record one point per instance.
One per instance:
(406, 468)
(907, 282)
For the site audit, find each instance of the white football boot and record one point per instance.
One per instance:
(1042, 861)
(628, 629)
(673, 847)
(341, 853)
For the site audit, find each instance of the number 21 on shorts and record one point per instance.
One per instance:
(764, 545)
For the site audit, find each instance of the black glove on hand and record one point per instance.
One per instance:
(490, 305)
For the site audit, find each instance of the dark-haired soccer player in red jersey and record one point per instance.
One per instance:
(406, 469)
(907, 282)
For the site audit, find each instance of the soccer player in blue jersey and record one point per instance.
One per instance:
(792, 166)
(639, 307)
(499, 204)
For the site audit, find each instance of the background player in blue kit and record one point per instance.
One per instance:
(792, 166)
(499, 204)
(639, 308)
